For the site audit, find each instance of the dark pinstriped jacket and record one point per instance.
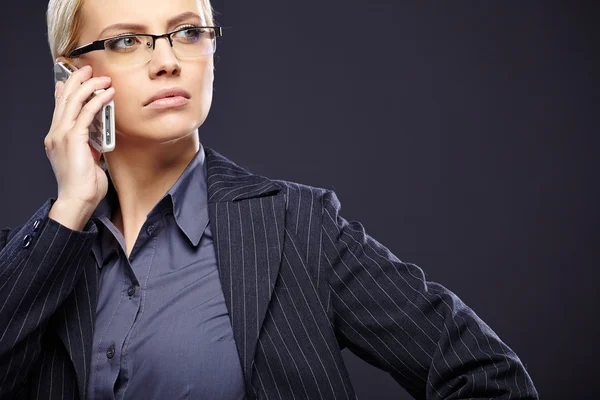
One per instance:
(300, 283)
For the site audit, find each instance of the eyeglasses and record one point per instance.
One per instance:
(130, 49)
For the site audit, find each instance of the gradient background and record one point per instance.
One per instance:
(464, 136)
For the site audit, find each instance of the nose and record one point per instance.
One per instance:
(163, 61)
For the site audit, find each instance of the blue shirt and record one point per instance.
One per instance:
(162, 329)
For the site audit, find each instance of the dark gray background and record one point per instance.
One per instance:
(463, 135)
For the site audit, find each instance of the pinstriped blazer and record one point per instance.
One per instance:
(300, 282)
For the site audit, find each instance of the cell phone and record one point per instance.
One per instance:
(102, 129)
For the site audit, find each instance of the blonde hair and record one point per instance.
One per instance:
(64, 22)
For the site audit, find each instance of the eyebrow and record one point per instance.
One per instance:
(140, 27)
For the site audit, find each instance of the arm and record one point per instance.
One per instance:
(421, 333)
(39, 266)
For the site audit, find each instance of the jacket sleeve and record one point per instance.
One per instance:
(39, 265)
(421, 333)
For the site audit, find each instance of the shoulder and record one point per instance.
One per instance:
(306, 204)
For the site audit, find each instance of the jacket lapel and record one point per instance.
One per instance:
(247, 215)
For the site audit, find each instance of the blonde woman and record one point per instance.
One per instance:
(174, 273)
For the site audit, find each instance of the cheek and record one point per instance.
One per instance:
(126, 97)
(127, 103)
(202, 88)
(124, 91)
(203, 83)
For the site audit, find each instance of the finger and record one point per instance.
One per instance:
(59, 88)
(48, 140)
(79, 98)
(89, 111)
(71, 85)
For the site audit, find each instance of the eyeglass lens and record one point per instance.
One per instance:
(187, 43)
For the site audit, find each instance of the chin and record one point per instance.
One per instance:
(163, 128)
(158, 132)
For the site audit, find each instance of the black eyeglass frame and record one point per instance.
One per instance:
(99, 44)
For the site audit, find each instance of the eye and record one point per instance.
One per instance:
(189, 35)
(123, 43)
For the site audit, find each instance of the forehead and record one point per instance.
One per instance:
(98, 14)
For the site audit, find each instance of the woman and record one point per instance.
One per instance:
(176, 273)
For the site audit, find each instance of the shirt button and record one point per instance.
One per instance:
(150, 229)
(131, 291)
(36, 224)
(27, 241)
(110, 352)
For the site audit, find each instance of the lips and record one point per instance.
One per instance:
(168, 92)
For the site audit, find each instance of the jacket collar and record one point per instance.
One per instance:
(228, 181)
(189, 198)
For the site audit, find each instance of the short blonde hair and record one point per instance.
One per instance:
(64, 21)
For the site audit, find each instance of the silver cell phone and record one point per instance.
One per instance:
(102, 129)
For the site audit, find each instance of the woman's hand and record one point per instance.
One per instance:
(82, 184)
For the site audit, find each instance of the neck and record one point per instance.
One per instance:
(142, 174)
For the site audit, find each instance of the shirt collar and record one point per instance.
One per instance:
(190, 198)
(188, 195)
